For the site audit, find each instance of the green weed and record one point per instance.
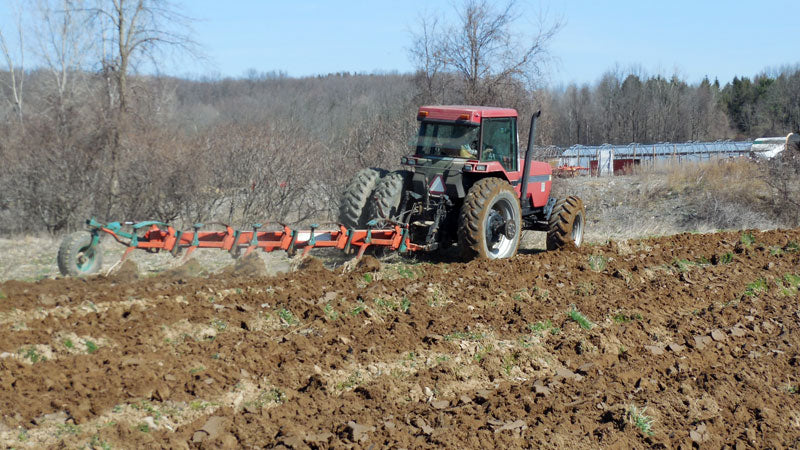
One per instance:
(287, 317)
(352, 381)
(727, 258)
(405, 304)
(598, 263)
(2, 295)
(683, 264)
(747, 239)
(219, 325)
(33, 355)
(199, 405)
(68, 343)
(67, 428)
(775, 251)
(358, 309)
(91, 347)
(23, 435)
(483, 350)
(578, 317)
(624, 318)
(95, 442)
(368, 278)
(641, 421)
(464, 336)
(330, 313)
(406, 272)
(196, 370)
(143, 427)
(792, 247)
(756, 287)
(539, 328)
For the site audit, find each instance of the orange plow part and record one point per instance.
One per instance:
(157, 236)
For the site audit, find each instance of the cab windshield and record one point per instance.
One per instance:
(448, 139)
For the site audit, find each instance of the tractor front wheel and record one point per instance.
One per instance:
(490, 222)
(385, 203)
(77, 256)
(352, 211)
(565, 227)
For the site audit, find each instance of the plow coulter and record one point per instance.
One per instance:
(80, 254)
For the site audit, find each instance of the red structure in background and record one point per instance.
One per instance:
(621, 166)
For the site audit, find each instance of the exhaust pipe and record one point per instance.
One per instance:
(528, 158)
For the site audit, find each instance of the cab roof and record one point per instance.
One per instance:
(458, 112)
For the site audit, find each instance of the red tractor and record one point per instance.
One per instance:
(466, 184)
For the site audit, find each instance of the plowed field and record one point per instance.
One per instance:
(666, 342)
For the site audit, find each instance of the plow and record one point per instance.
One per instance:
(79, 253)
(466, 185)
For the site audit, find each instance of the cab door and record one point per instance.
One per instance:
(499, 143)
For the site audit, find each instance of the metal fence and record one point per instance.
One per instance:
(607, 157)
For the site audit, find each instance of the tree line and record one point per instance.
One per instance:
(87, 134)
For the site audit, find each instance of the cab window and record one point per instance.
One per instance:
(498, 142)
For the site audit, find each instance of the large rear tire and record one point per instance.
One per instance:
(352, 211)
(566, 223)
(77, 256)
(385, 202)
(490, 222)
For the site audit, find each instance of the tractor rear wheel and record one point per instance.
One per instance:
(566, 224)
(352, 212)
(77, 256)
(385, 202)
(490, 222)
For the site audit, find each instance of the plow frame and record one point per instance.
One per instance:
(155, 236)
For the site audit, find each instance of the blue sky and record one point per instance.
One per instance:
(308, 37)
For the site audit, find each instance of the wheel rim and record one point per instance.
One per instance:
(577, 230)
(85, 258)
(498, 244)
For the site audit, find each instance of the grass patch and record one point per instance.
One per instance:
(579, 318)
(539, 328)
(640, 420)
(464, 336)
(756, 287)
(792, 283)
(620, 318)
(683, 264)
(747, 239)
(352, 381)
(598, 263)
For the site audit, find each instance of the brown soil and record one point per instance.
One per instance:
(250, 266)
(698, 332)
(368, 263)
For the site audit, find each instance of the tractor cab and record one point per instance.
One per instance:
(477, 134)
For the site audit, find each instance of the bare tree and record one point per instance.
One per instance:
(484, 51)
(16, 80)
(133, 31)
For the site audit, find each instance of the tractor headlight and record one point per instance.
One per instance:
(467, 168)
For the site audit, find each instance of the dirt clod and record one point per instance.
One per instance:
(368, 263)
